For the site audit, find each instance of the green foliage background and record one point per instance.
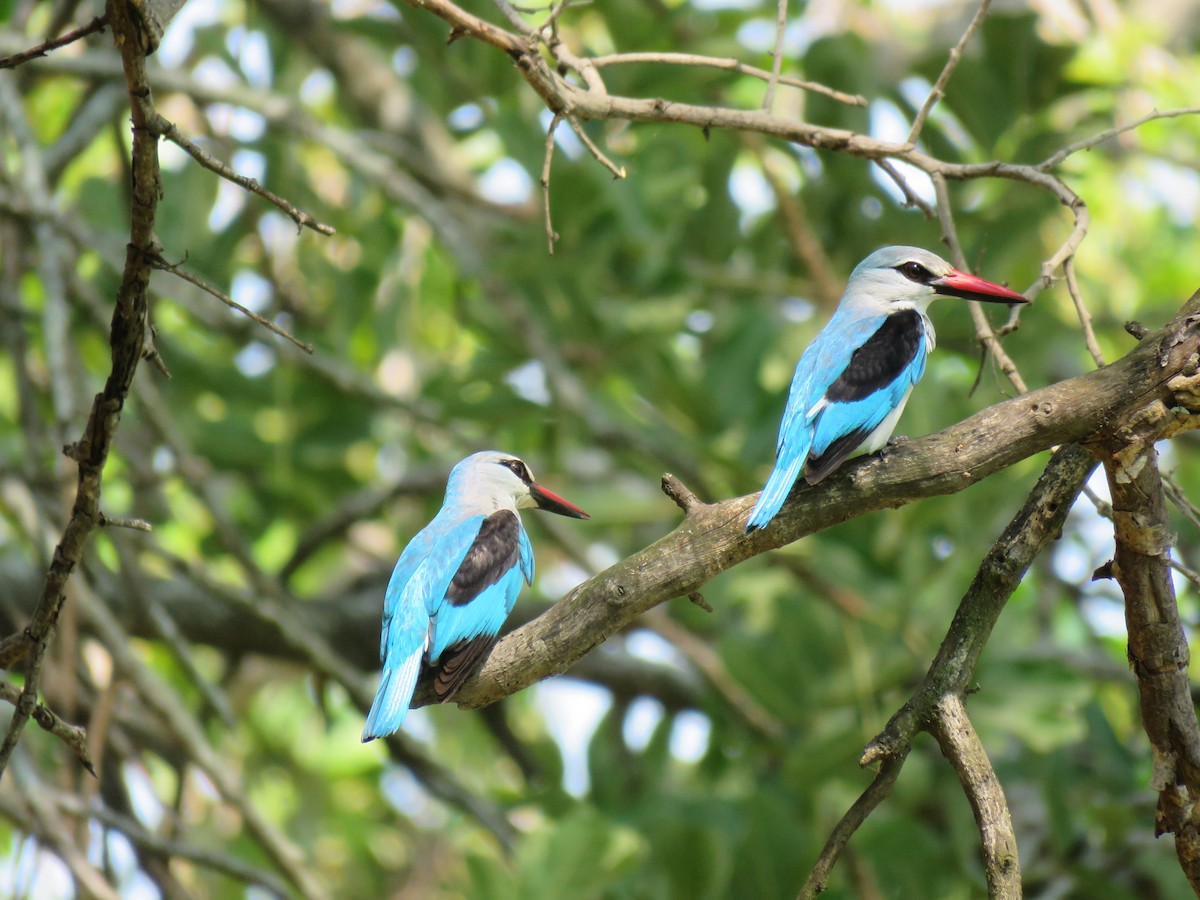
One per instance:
(666, 325)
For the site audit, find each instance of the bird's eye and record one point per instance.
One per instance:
(914, 271)
(518, 468)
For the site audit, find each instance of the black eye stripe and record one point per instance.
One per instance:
(914, 271)
(518, 468)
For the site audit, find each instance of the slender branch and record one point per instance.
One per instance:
(97, 24)
(1088, 143)
(1085, 316)
(964, 751)
(877, 791)
(178, 271)
(781, 8)
(551, 236)
(911, 197)
(983, 330)
(302, 219)
(728, 64)
(939, 87)
(126, 337)
(72, 735)
(617, 171)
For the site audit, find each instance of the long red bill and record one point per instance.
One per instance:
(551, 502)
(972, 287)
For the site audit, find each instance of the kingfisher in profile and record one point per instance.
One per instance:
(456, 582)
(852, 382)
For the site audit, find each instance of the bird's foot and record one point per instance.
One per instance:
(893, 442)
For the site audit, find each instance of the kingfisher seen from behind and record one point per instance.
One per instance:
(456, 582)
(852, 382)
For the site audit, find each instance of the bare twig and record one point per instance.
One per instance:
(73, 736)
(127, 341)
(302, 219)
(939, 87)
(1085, 316)
(683, 496)
(910, 196)
(551, 237)
(177, 270)
(781, 8)
(983, 329)
(1088, 143)
(97, 24)
(729, 64)
(617, 171)
(122, 522)
(877, 791)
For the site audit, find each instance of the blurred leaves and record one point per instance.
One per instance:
(659, 336)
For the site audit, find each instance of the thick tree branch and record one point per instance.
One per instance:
(711, 540)
(937, 706)
(1158, 648)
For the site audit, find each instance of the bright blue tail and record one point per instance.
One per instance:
(393, 697)
(779, 485)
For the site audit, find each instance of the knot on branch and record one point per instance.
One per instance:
(1136, 329)
(1142, 532)
(1186, 385)
(895, 740)
(1162, 653)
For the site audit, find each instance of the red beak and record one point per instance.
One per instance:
(551, 502)
(972, 287)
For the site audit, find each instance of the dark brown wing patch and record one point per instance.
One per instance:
(496, 549)
(457, 664)
(835, 454)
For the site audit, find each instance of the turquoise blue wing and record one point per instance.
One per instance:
(422, 576)
(485, 586)
(824, 360)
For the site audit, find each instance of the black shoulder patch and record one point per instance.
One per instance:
(880, 359)
(496, 549)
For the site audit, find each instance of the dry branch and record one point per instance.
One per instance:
(127, 339)
(1158, 648)
(711, 540)
(97, 24)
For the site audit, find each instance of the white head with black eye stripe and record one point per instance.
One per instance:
(897, 278)
(491, 480)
